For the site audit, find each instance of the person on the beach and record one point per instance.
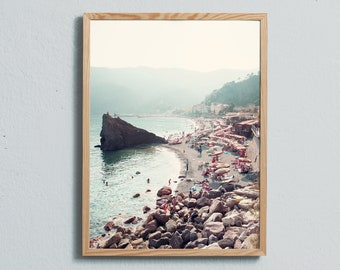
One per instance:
(187, 164)
(148, 180)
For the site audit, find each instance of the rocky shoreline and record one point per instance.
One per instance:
(217, 219)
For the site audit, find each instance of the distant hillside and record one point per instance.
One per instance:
(239, 93)
(149, 90)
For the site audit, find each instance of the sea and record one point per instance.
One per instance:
(115, 176)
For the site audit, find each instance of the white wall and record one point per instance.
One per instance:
(40, 134)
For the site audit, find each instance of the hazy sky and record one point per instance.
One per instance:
(194, 45)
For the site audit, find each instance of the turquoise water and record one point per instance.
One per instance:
(119, 168)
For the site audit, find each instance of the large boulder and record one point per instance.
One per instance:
(186, 236)
(203, 201)
(248, 192)
(231, 218)
(115, 239)
(190, 202)
(217, 206)
(215, 228)
(171, 226)
(214, 193)
(228, 240)
(156, 235)
(246, 204)
(162, 217)
(151, 226)
(123, 243)
(157, 243)
(166, 190)
(231, 202)
(214, 217)
(251, 242)
(118, 134)
(176, 240)
(109, 226)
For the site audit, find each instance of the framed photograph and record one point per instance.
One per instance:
(174, 134)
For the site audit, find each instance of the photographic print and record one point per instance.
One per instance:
(174, 134)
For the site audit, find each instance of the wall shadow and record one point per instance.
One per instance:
(77, 139)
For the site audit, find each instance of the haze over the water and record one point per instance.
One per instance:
(192, 45)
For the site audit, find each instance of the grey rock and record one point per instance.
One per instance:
(228, 240)
(190, 245)
(151, 226)
(215, 228)
(171, 226)
(193, 236)
(190, 202)
(212, 246)
(212, 239)
(161, 217)
(217, 206)
(231, 202)
(115, 239)
(214, 217)
(204, 209)
(164, 241)
(123, 243)
(196, 195)
(185, 236)
(202, 241)
(161, 229)
(167, 234)
(156, 235)
(176, 240)
(251, 242)
(214, 193)
(247, 192)
(203, 201)
(231, 218)
(246, 204)
(118, 134)
(238, 244)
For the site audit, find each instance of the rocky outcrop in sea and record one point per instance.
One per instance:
(118, 134)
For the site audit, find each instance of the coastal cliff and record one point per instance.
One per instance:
(118, 134)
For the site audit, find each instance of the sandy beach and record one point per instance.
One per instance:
(195, 160)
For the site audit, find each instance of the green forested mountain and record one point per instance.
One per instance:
(239, 93)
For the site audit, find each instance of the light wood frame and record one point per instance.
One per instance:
(262, 18)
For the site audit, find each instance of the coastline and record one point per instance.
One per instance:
(231, 203)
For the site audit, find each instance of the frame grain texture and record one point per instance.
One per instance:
(262, 18)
